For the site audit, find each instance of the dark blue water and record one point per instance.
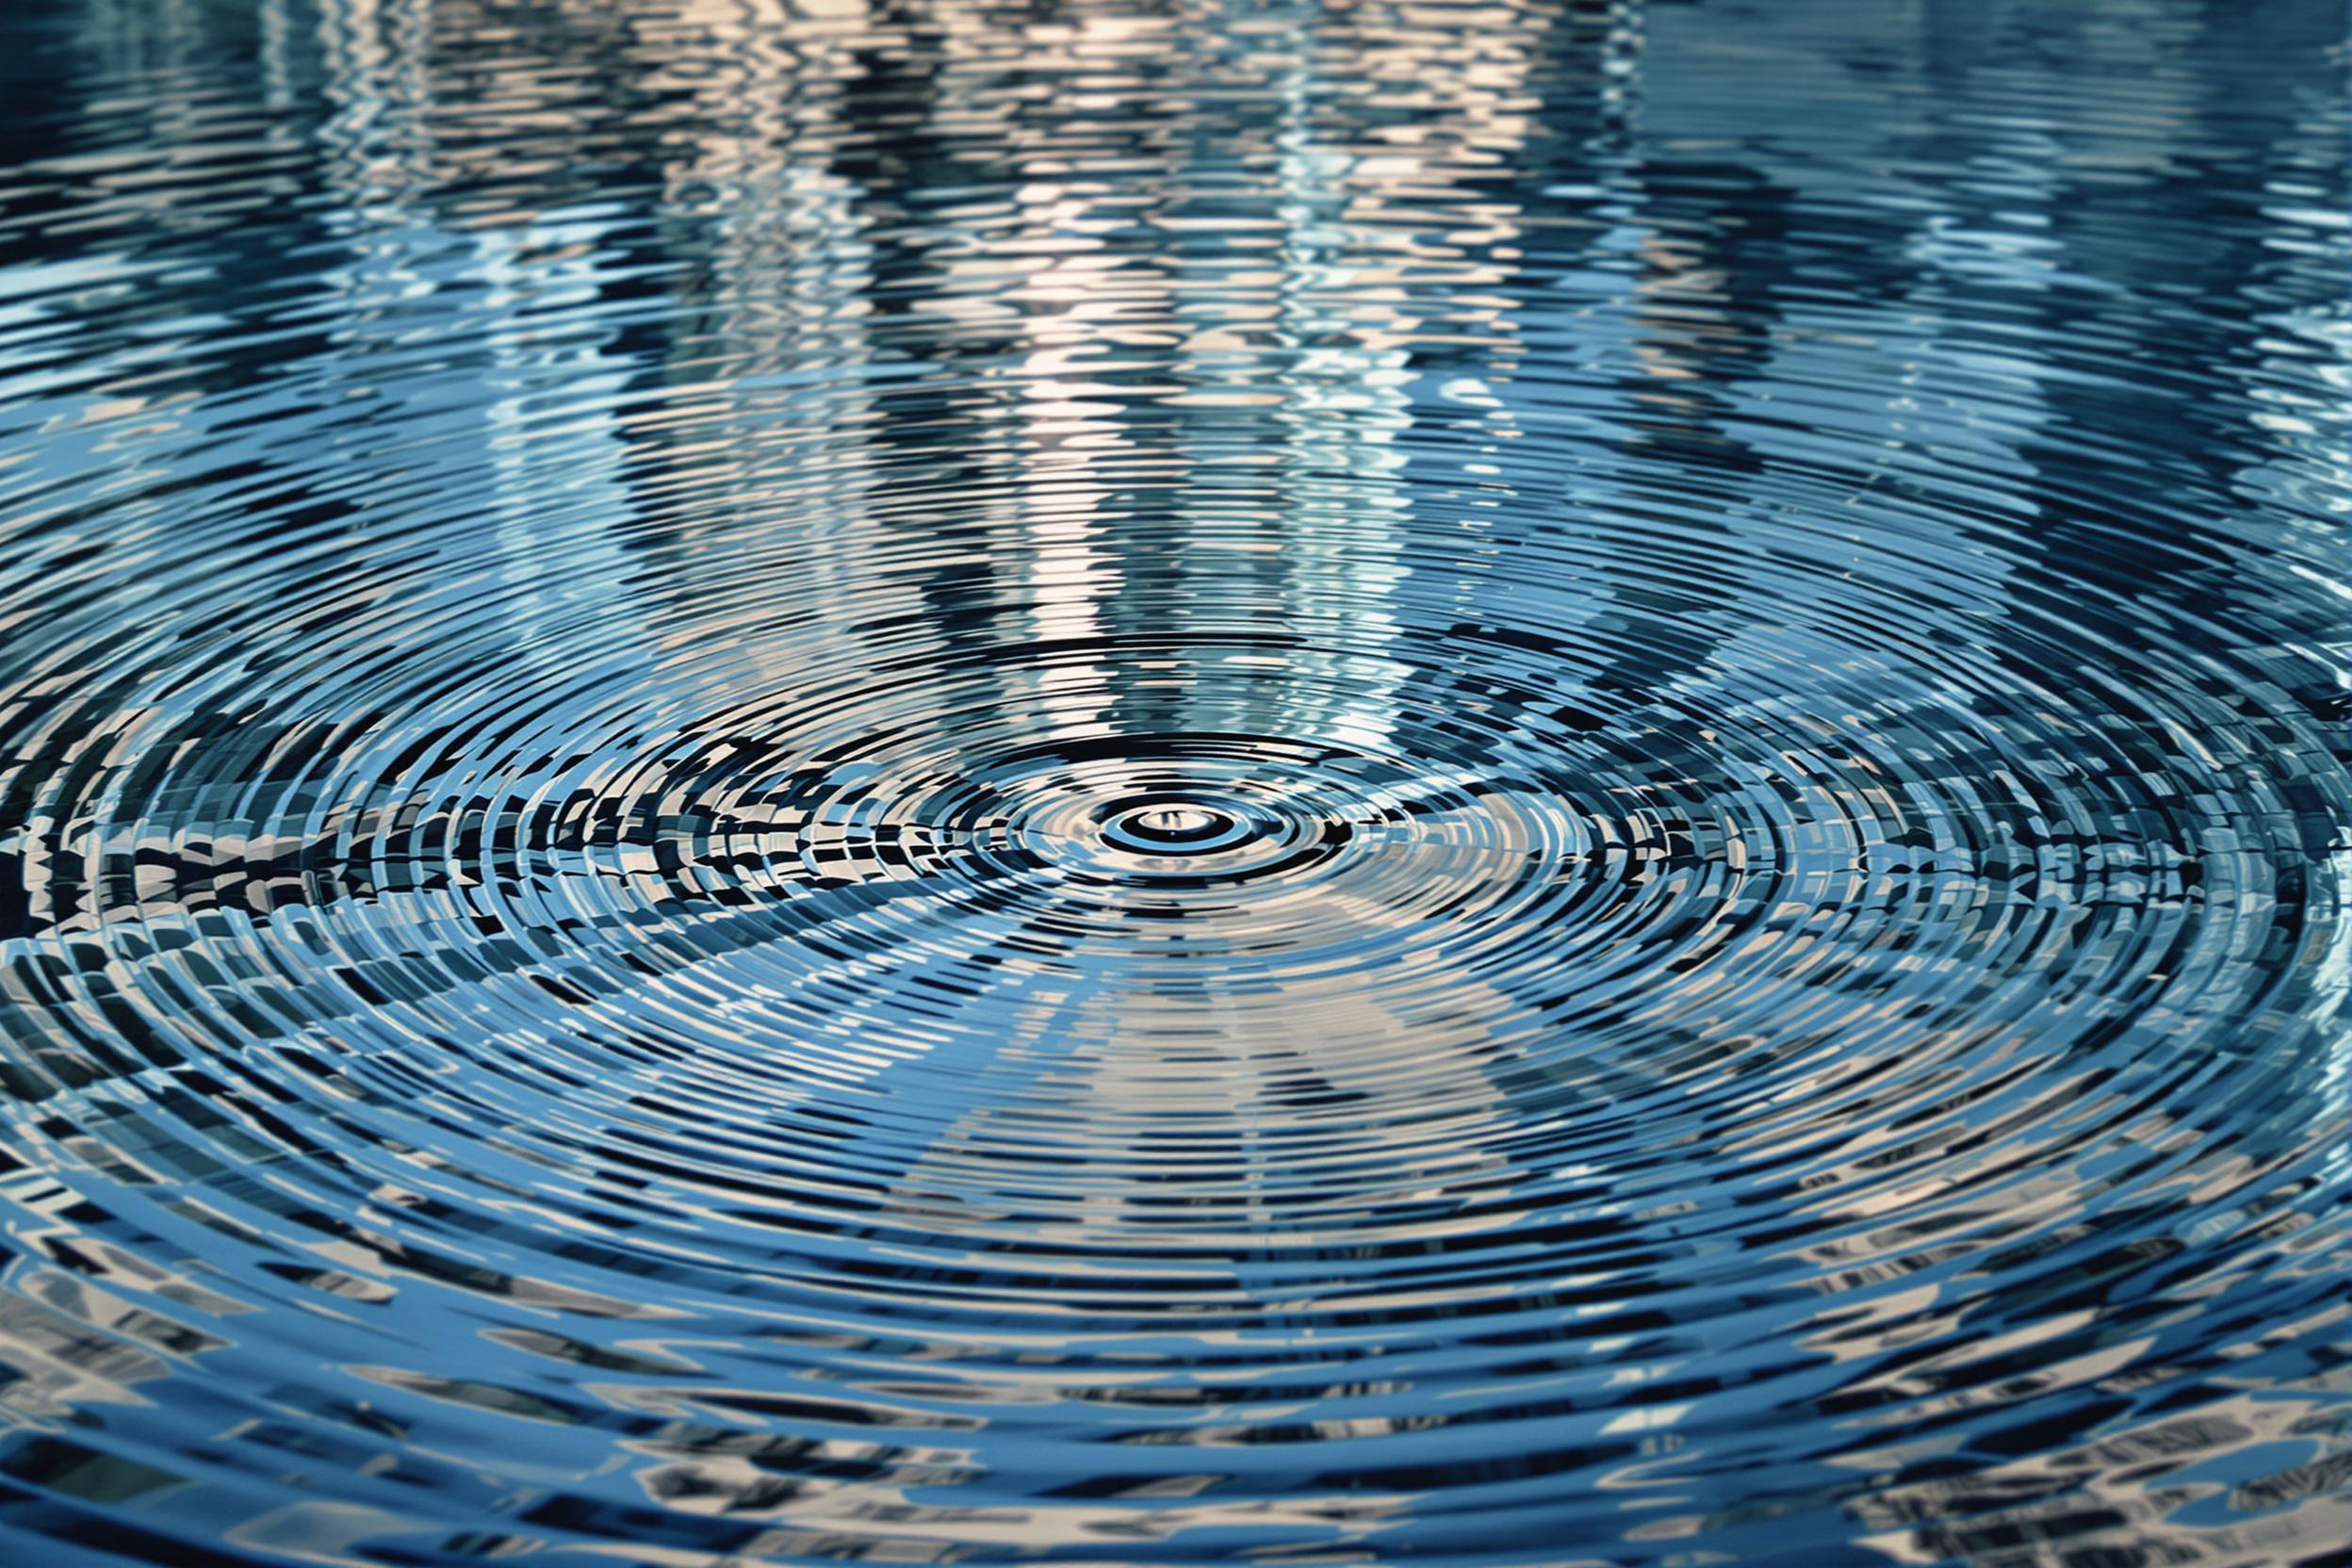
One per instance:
(1513, 783)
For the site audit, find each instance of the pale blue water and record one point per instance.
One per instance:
(1475, 784)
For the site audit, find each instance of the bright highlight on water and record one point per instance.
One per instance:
(1477, 784)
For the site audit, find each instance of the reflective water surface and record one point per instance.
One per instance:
(930, 780)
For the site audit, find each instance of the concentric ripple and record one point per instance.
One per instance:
(1537, 784)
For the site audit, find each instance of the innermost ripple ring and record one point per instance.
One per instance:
(1176, 827)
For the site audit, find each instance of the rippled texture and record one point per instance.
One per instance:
(1504, 783)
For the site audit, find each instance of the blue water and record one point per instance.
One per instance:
(1540, 784)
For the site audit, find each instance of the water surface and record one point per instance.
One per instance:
(951, 782)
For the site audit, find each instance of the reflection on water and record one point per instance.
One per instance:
(932, 781)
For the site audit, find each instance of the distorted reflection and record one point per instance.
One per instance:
(1496, 781)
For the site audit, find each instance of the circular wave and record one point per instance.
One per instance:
(1473, 822)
